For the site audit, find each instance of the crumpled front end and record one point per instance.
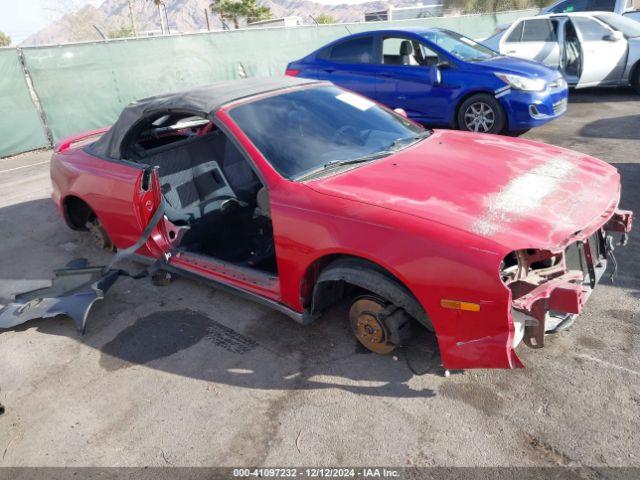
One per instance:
(550, 288)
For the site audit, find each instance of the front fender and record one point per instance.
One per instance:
(370, 277)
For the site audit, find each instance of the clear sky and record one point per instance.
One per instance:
(21, 18)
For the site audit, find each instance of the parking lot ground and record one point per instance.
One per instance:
(190, 375)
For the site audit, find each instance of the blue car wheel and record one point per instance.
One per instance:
(481, 113)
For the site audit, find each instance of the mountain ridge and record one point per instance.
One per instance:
(184, 16)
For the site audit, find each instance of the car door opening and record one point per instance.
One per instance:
(213, 196)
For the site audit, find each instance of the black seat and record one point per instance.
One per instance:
(242, 179)
(406, 53)
(191, 178)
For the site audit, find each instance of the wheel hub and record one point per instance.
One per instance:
(99, 236)
(479, 117)
(367, 325)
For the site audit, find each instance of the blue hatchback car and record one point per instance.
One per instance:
(441, 78)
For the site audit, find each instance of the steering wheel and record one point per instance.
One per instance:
(230, 204)
(340, 137)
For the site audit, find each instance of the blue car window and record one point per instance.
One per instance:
(358, 50)
(602, 5)
(571, 6)
(559, 8)
(404, 51)
(459, 46)
(538, 30)
(301, 131)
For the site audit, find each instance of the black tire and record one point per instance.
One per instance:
(635, 79)
(481, 113)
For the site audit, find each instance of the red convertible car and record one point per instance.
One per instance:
(300, 194)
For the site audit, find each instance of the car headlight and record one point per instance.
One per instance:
(523, 83)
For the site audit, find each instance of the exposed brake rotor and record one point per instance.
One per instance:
(368, 326)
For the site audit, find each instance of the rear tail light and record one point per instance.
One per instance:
(62, 146)
(292, 72)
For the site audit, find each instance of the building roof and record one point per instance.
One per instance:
(203, 101)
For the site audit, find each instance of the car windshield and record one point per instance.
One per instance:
(630, 28)
(459, 46)
(316, 130)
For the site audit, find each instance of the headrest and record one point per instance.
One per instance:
(406, 48)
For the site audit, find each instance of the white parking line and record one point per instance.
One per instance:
(608, 364)
(24, 166)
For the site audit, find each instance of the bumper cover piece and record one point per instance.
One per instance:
(73, 292)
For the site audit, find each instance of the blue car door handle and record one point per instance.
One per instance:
(329, 69)
(386, 74)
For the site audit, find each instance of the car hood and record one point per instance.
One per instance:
(517, 193)
(518, 66)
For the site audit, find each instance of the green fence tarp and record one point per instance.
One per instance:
(20, 126)
(84, 86)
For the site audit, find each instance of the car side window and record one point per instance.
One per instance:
(602, 5)
(632, 15)
(591, 30)
(571, 6)
(409, 52)
(559, 8)
(516, 34)
(358, 50)
(538, 30)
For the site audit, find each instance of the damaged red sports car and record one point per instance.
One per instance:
(299, 194)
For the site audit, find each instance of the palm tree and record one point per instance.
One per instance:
(234, 10)
(254, 12)
(324, 18)
(227, 10)
(133, 22)
(159, 3)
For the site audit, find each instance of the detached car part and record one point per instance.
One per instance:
(73, 292)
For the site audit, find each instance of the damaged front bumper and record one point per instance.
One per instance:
(550, 289)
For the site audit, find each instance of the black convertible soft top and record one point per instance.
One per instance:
(203, 101)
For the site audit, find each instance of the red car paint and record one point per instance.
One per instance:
(440, 216)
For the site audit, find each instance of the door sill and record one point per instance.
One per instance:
(234, 273)
(180, 269)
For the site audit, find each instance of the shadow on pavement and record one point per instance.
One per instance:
(273, 353)
(603, 94)
(626, 128)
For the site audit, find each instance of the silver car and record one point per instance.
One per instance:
(589, 48)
